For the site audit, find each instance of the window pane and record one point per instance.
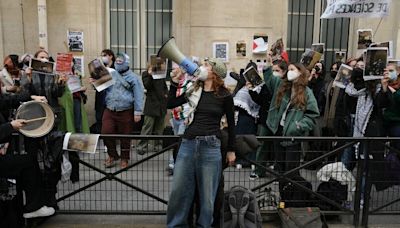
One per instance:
(158, 28)
(159, 4)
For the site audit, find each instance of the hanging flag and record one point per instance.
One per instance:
(360, 8)
(260, 44)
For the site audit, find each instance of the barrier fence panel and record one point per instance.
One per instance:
(144, 186)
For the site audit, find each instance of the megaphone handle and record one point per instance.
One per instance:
(189, 66)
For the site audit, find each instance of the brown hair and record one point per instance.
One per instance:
(218, 86)
(299, 98)
(40, 51)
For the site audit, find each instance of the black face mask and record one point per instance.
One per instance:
(333, 73)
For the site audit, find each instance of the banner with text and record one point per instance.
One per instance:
(356, 8)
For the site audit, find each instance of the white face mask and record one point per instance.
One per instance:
(277, 74)
(292, 75)
(105, 60)
(203, 75)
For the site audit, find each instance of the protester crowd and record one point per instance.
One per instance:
(291, 101)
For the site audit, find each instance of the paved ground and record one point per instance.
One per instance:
(125, 221)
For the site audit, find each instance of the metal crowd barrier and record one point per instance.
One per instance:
(144, 186)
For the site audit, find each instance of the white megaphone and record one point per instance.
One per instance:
(170, 51)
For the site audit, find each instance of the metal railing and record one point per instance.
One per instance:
(143, 187)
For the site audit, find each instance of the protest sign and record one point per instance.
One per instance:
(342, 78)
(64, 63)
(101, 75)
(251, 75)
(375, 63)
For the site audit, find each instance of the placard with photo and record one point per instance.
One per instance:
(375, 63)
(100, 74)
(364, 38)
(318, 47)
(44, 67)
(343, 76)
(251, 75)
(387, 44)
(309, 58)
(85, 143)
(241, 49)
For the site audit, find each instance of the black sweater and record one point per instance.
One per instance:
(9, 102)
(264, 100)
(208, 114)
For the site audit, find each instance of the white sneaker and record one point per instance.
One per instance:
(42, 212)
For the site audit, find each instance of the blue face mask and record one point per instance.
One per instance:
(393, 75)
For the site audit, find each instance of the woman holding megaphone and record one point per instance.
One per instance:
(199, 160)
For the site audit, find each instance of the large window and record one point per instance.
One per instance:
(305, 28)
(139, 27)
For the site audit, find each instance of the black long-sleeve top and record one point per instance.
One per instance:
(9, 102)
(208, 114)
(263, 99)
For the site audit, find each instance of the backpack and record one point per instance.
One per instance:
(294, 196)
(334, 191)
(240, 209)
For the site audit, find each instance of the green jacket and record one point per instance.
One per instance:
(392, 114)
(67, 115)
(298, 122)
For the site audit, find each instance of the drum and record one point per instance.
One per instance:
(39, 118)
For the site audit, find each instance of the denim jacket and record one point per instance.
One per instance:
(119, 98)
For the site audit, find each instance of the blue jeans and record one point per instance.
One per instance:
(198, 165)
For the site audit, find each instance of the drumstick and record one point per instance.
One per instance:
(36, 119)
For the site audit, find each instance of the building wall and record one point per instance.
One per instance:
(200, 23)
(87, 16)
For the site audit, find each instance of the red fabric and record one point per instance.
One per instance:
(117, 123)
(285, 56)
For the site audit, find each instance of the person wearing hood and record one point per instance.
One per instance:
(124, 106)
(293, 112)
(10, 75)
(199, 161)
